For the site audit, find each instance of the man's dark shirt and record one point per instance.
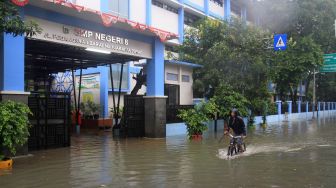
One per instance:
(237, 125)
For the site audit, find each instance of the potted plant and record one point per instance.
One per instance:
(94, 109)
(14, 129)
(197, 117)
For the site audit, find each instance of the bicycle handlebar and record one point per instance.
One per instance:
(235, 136)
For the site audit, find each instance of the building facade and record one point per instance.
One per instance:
(85, 36)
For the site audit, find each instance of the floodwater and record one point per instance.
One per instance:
(296, 154)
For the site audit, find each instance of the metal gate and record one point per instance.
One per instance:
(134, 120)
(50, 121)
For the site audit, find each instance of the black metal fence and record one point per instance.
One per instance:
(50, 121)
(134, 116)
(172, 112)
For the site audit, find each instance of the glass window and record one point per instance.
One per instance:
(185, 78)
(164, 6)
(218, 2)
(118, 8)
(172, 77)
(116, 77)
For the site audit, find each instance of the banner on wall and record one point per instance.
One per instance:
(90, 88)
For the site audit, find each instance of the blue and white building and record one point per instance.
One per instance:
(90, 34)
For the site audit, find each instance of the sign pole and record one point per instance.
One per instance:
(314, 95)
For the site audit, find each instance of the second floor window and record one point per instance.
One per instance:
(218, 2)
(118, 8)
(164, 6)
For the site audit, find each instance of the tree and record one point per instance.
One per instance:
(312, 19)
(12, 22)
(232, 53)
(289, 67)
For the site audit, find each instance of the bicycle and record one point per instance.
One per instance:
(236, 146)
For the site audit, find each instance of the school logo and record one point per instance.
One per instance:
(20, 3)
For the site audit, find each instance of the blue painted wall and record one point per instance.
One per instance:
(155, 70)
(181, 24)
(206, 7)
(104, 6)
(149, 12)
(11, 63)
(227, 9)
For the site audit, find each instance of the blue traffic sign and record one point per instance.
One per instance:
(280, 42)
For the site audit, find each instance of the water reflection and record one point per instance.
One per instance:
(287, 154)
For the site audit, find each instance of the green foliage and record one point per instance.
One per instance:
(12, 22)
(89, 108)
(295, 64)
(310, 25)
(226, 98)
(14, 125)
(231, 53)
(197, 117)
(121, 110)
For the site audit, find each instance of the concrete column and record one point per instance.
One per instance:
(12, 87)
(279, 109)
(324, 106)
(299, 106)
(155, 101)
(289, 106)
(243, 14)
(307, 109)
(227, 10)
(318, 108)
(181, 23)
(12, 68)
(206, 7)
(149, 12)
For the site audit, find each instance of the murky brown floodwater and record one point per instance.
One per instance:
(297, 154)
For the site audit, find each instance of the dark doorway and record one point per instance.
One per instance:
(173, 94)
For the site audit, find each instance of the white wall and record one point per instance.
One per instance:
(110, 101)
(138, 11)
(170, 68)
(186, 92)
(198, 2)
(215, 8)
(164, 19)
(93, 4)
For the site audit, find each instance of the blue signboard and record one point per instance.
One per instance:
(280, 42)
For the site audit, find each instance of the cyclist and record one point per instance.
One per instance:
(237, 125)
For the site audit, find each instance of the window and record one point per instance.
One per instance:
(185, 78)
(118, 8)
(164, 6)
(116, 68)
(218, 2)
(189, 19)
(172, 77)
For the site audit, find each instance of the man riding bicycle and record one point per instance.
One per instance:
(237, 125)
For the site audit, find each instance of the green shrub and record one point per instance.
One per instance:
(196, 118)
(14, 125)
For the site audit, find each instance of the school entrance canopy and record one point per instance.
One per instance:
(43, 57)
